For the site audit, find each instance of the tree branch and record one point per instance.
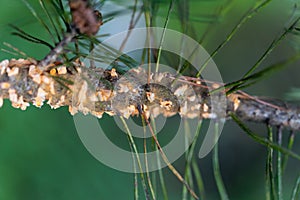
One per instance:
(98, 91)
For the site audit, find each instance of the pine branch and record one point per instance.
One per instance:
(98, 91)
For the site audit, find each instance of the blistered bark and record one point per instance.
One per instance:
(98, 91)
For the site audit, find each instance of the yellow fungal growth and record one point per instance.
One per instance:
(5, 85)
(53, 72)
(166, 104)
(113, 73)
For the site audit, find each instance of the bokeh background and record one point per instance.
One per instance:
(42, 157)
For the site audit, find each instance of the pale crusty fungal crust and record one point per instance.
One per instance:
(98, 91)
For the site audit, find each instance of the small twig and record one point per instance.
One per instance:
(54, 53)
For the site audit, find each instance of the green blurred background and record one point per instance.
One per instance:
(42, 157)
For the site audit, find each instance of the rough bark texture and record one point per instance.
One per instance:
(98, 91)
